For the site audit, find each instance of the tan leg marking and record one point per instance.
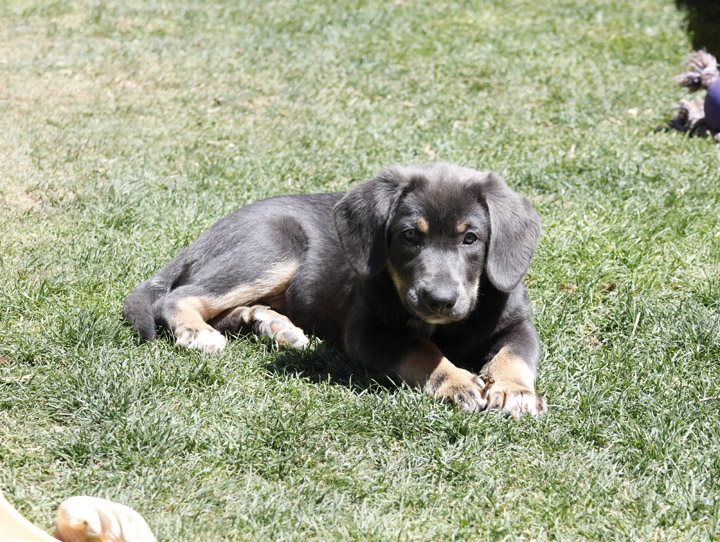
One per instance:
(439, 378)
(274, 282)
(190, 327)
(511, 386)
(189, 320)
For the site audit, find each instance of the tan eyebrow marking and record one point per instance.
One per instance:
(462, 227)
(423, 225)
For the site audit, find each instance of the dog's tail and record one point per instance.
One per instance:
(137, 309)
(138, 305)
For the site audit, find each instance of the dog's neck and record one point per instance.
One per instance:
(420, 327)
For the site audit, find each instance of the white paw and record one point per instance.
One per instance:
(514, 400)
(207, 340)
(210, 342)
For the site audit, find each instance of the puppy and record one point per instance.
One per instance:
(415, 273)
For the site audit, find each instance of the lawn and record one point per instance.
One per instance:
(127, 128)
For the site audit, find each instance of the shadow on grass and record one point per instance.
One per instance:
(703, 22)
(322, 363)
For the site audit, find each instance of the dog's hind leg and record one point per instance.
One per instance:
(190, 310)
(186, 312)
(265, 323)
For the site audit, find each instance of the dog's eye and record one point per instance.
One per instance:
(409, 235)
(469, 238)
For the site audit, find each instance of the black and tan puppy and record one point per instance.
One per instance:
(416, 273)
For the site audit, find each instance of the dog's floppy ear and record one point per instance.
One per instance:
(361, 219)
(514, 233)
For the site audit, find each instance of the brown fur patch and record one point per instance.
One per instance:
(508, 368)
(462, 227)
(423, 225)
(511, 386)
(400, 285)
(418, 367)
(187, 318)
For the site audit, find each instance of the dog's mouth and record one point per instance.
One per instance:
(436, 318)
(421, 311)
(439, 320)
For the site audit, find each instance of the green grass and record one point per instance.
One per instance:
(127, 128)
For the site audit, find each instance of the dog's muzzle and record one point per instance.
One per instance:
(438, 305)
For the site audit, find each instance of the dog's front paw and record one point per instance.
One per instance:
(460, 387)
(514, 399)
(209, 341)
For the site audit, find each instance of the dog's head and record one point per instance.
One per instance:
(438, 229)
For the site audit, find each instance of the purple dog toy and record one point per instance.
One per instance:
(712, 107)
(698, 115)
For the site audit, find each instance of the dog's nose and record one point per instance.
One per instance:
(439, 299)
